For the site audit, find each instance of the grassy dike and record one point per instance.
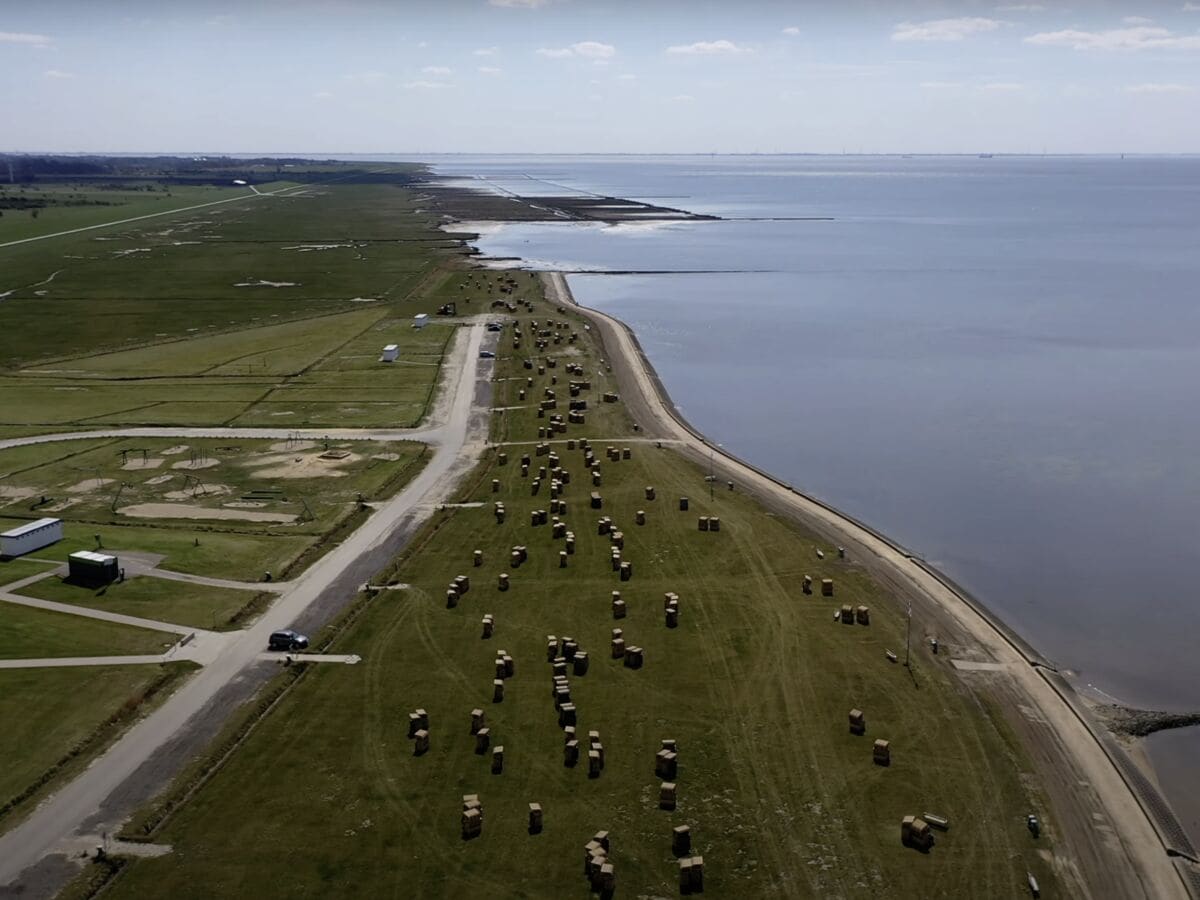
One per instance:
(326, 796)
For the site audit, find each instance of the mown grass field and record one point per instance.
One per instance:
(755, 685)
(257, 486)
(320, 249)
(15, 569)
(197, 605)
(268, 311)
(28, 633)
(56, 720)
(70, 206)
(194, 550)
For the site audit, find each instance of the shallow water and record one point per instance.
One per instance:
(994, 361)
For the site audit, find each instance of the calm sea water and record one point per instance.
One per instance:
(995, 361)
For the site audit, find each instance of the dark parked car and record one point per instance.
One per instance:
(287, 640)
(486, 354)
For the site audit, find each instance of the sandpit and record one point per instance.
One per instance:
(150, 462)
(159, 479)
(13, 494)
(61, 505)
(244, 504)
(176, 450)
(196, 464)
(203, 490)
(308, 465)
(185, 511)
(88, 485)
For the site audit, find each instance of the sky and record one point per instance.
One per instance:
(599, 76)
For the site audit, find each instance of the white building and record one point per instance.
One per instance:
(390, 353)
(30, 536)
(420, 320)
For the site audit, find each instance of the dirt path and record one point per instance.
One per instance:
(1103, 829)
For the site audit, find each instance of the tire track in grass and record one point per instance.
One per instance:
(379, 758)
(739, 696)
(791, 765)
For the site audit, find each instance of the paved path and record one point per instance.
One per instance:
(253, 193)
(423, 435)
(135, 568)
(350, 659)
(68, 662)
(461, 436)
(106, 615)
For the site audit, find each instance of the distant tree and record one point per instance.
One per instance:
(34, 213)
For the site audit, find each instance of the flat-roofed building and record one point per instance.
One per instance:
(30, 536)
(91, 568)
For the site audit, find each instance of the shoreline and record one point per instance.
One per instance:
(1157, 845)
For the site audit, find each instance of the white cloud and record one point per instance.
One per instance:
(519, 4)
(1021, 7)
(594, 49)
(424, 85)
(487, 51)
(944, 29)
(1142, 37)
(791, 31)
(437, 70)
(587, 49)
(365, 77)
(708, 48)
(1003, 86)
(1159, 88)
(941, 85)
(1137, 20)
(19, 37)
(1190, 7)
(57, 73)
(489, 70)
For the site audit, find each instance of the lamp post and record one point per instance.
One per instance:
(907, 635)
(712, 477)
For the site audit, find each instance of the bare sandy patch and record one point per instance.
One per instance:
(150, 462)
(386, 457)
(201, 490)
(307, 465)
(61, 505)
(244, 504)
(197, 464)
(176, 450)
(187, 511)
(88, 485)
(159, 479)
(12, 494)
